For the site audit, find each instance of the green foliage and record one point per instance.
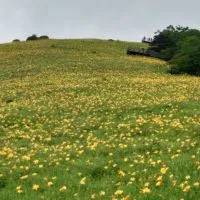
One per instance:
(165, 42)
(180, 46)
(16, 40)
(3, 182)
(32, 37)
(187, 58)
(43, 37)
(35, 37)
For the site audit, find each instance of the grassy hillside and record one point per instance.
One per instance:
(81, 120)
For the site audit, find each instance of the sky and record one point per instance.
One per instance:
(127, 20)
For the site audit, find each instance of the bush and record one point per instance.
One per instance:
(187, 57)
(16, 40)
(43, 37)
(32, 37)
(180, 46)
(165, 42)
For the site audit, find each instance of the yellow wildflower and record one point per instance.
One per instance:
(186, 189)
(158, 183)
(50, 184)
(63, 188)
(163, 170)
(121, 173)
(102, 193)
(83, 181)
(145, 190)
(119, 192)
(159, 178)
(35, 187)
(196, 184)
(24, 177)
(19, 189)
(126, 197)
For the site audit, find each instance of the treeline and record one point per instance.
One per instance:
(34, 37)
(181, 48)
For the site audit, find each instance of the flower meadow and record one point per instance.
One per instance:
(79, 119)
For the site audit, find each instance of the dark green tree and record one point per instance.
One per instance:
(187, 57)
(180, 46)
(43, 37)
(32, 37)
(165, 42)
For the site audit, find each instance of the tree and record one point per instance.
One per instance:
(165, 42)
(32, 37)
(16, 40)
(43, 37)
(180, 46)
(187, 58)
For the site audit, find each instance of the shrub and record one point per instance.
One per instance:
(187, 57)
(165, 42)
(16, 40)
(180, 46)
(32, 37)
(43, 37)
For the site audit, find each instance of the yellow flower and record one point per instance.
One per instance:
(171, 176)
(187, 177)
(27, 158)
(121, 173)
(126, 198)
(50, 184)
(146, 184)
(35, 187)
(19, 189)
(63, 188)
(196, 184)
(10, 155)
(102, 193)
(159, 178)
(193, 156)
(93, 196)
(163, 170)
(24, 177)
(158, 183)
(174, 182)
(159, 161)
(146, 190)
(119, 192)
(35, 162)
(186, 189)
(83, 181)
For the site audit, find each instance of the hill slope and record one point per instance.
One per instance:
(81, 120)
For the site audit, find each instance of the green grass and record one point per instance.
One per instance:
(81, 111)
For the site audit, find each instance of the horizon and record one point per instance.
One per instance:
(72, 38)
(85, 38)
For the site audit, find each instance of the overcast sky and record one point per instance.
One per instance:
(118, 19)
